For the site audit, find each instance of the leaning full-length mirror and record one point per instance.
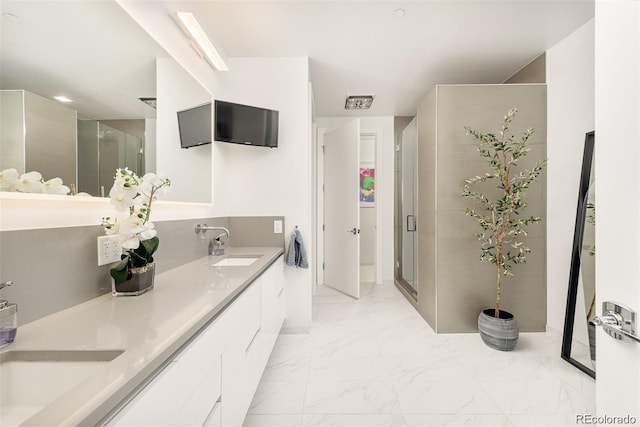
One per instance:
(123, 90)
(578, 343)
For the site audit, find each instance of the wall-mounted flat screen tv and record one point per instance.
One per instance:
(244, 124)
(194, 125)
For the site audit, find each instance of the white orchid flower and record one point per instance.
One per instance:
(148, 232)
(111, 228)
(129, 242)
(152, 183)
(30, 182)
(8, 178)
(55, 186)
(121, 199)
(128, 232)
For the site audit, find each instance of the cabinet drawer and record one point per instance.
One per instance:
(200, 403)
(215, 416)
(273, 278)
(248, 313)
(156, 404)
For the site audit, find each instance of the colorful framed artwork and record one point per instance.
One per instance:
(367, 186)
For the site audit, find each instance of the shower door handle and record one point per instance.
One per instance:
(411, 223)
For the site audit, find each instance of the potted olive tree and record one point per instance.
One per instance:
(501, 219)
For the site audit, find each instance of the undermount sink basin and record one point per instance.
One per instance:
(236, 261)
(32, 380)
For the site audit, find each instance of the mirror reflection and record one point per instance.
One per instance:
(112, 72)
(579, 345)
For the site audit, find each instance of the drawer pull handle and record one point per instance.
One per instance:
(252, 340)
(213, 410)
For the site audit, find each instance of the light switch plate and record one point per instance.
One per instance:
(109, 250)
(277, 226)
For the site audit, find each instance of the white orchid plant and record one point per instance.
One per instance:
(133, 196)
(30, 182)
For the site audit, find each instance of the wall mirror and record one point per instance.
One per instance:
(96, 55)
(578, 342)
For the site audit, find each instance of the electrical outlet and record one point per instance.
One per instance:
(277, 226)
(109, 250)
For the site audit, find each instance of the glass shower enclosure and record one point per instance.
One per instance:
(102, 149)
(406, 205)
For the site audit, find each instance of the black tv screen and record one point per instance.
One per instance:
(244, 124)
(194, 125)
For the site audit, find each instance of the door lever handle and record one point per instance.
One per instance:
(354, 230)
(618, 321)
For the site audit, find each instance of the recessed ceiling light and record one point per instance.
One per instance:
(399, 13)
(62, 98)
(11, 17)
(358, 102)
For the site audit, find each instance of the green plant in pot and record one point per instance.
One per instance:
(500, 215)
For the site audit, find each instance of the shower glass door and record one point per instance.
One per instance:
(406, 209)
(101, 150)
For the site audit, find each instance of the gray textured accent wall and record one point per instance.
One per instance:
(427, 217)
(454, 286)
(12, 130)
(256, 231)
(50, 139)
(57, 268)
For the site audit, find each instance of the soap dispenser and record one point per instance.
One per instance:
(8, 319)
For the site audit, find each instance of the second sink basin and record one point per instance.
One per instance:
(31, 380)
(236, 261)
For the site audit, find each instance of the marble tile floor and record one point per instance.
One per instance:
(375, 362)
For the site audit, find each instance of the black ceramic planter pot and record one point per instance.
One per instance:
(500, 333)
(140, 280)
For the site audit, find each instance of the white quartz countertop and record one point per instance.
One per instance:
(148, 329)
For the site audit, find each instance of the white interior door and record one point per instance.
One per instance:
(342, 209)
(617, 165)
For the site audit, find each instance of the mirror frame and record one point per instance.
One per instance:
(574, 274)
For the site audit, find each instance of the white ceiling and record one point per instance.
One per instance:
(359, 47)
(355, 47)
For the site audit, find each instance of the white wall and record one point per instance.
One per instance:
(570, 114)
(188, 169)
(383, 128)
(254, 180)
(263, 181)
(617, 164)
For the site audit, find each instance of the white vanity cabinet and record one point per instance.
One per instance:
(212, 381)
(245, 359)
(156, 405)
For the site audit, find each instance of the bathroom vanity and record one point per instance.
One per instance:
(191, 352)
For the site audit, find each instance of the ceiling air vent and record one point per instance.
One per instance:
(358, 102)
(151, 102)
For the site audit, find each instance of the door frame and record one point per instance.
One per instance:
(319, 180)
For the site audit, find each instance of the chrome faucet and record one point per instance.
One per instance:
(216, 245)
